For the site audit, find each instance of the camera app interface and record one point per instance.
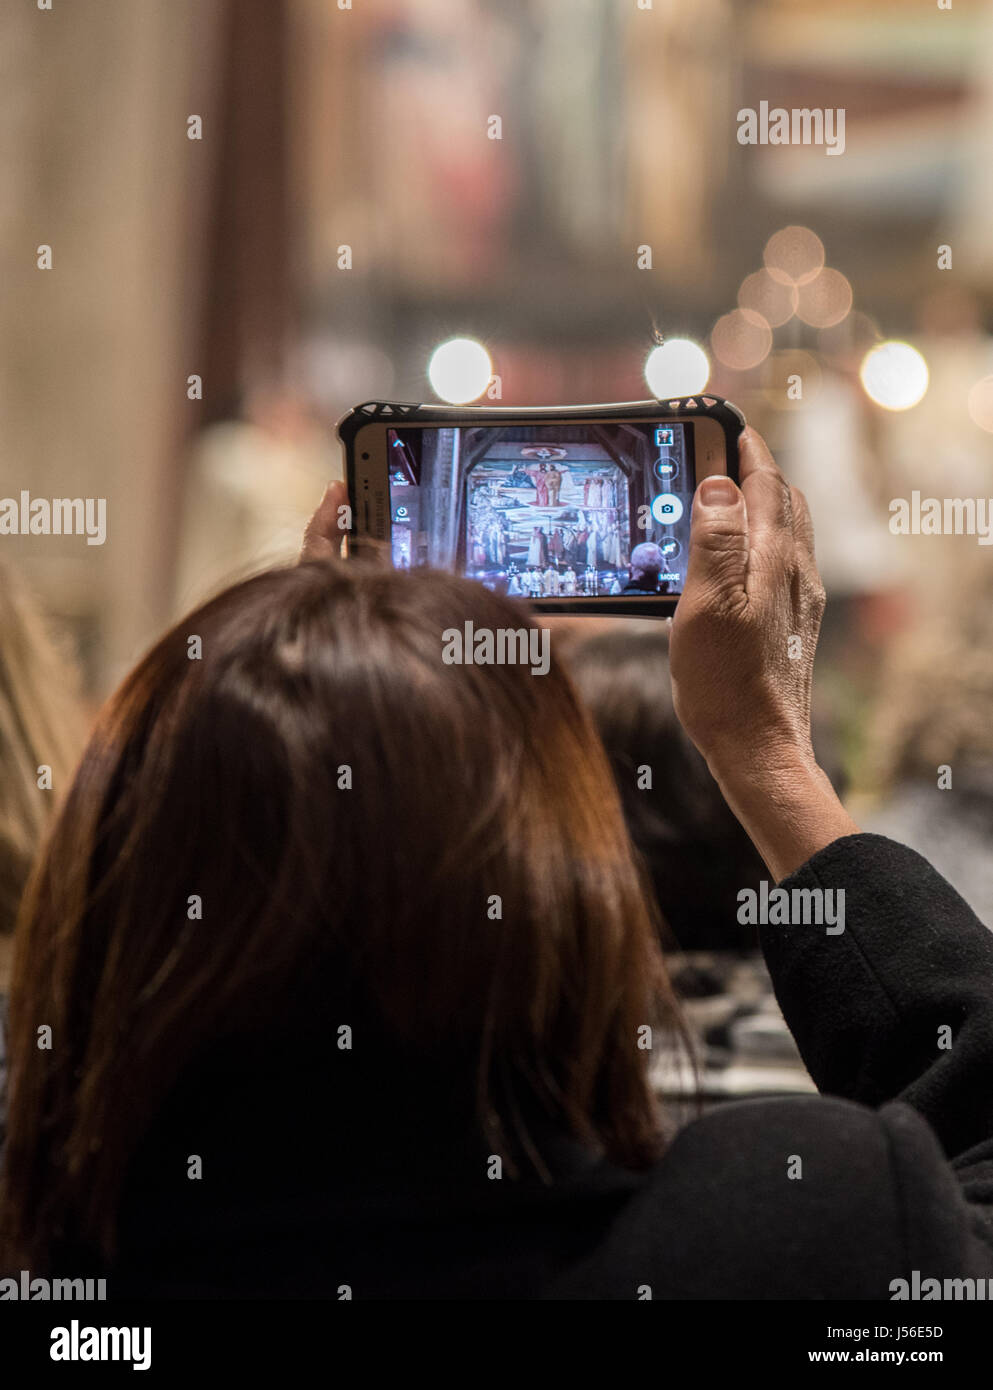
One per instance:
(543, 511)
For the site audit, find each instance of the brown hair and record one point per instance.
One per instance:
(220, 769)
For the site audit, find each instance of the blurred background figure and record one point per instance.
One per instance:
(250, 492)
(42, 728)
(932, 741)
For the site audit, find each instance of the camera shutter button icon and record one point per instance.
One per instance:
(667, 508)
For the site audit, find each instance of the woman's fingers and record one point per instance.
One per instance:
(325, 529)
(740, 680)
(718, 558)
(767, 493)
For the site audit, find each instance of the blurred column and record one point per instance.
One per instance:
(94, 353)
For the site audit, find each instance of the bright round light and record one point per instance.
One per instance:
(894, 375)
(677, 368)
(460, 370)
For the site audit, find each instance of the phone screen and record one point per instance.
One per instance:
(585, 508)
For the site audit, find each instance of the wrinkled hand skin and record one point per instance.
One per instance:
(745, 631)
(742, 659)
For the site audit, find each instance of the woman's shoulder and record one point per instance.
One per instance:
(800, 1197)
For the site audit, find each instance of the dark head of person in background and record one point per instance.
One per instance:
(647, 563)
(318, 825)
(697, 855)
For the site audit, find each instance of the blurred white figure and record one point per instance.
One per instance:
(253, 485)
(827, 458)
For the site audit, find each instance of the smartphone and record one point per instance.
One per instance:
(578, 509)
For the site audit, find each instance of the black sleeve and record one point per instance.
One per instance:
(898, 1006)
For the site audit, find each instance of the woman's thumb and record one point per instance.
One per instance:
(718, 543)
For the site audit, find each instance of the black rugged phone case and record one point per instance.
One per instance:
(704, 405)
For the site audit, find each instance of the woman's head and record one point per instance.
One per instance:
(294, 783)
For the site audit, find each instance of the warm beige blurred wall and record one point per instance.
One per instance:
(94, 354)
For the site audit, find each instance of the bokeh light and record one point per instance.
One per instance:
(981, 404)
(460, 370)
(775, 300)
(794, 255)
(894, 375)
(825, 300)
(741, 340)
(679, 367)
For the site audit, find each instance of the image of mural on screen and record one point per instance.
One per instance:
(546, 510)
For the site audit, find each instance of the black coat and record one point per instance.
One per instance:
(302, 1195)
